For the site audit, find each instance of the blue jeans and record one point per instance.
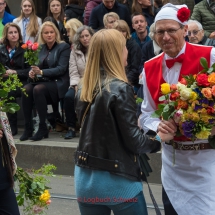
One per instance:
(136, 207)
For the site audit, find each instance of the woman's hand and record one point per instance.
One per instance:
(31, 74)
(1, 133)
(10, 72)
(36, 70)
(166, 137)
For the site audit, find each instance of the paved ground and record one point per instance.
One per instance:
(64, 200)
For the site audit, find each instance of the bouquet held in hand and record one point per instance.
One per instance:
(191, 104)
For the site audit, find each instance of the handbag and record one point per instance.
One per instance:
(39, 78)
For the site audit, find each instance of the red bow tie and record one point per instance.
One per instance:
(171, 62)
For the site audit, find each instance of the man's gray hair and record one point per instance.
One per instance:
(196, 22)
(152, 31)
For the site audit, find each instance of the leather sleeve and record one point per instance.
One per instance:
(126, 119)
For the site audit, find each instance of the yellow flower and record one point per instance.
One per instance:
(165, 88)
(211, 78)
(205, 117)
(195, 117)
(194, 103)
(203, 134)
(194, 96)
(45, 196)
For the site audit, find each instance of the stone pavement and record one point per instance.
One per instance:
(64, 200)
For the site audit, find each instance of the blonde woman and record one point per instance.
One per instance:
(107, 162)
(109, 19)
(28, 22)
(49, 81)
(71, 27)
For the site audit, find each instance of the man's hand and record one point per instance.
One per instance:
(167, 126)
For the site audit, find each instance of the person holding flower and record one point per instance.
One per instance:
(12, 58)
(28, 22)
(188, 167)
(49, 81)
(107, 160)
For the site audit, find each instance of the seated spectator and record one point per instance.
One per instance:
(109, 19)
(144, 7)
(134, 54)
(204, 12)
(74, 9)
(28, 21)
(139, 24)
(52, 19)
(196, 34)
(55, 9)
(77, 64)
(71, 27)
(97, 14)
(5, 17)
(88, 9)
(12, 57)
(48, 81)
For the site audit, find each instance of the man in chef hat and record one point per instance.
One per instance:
(188, 168)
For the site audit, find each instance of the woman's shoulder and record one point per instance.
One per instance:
(17, 20)
(63, 45)
(117, 86)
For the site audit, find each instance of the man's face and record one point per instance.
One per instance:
(139, 24)
(108, 3)
(110, 22)
(194, 34)
(2, 6)
(173, 41)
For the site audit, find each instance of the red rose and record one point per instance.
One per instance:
(202, 80)
(183, 81)
(174, 96)
(173, 87)
(183, 14)
(210, 110)
(35, 46)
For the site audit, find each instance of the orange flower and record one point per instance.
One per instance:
(182, 104)
(207, 92)
(24, 46)
(211, 78)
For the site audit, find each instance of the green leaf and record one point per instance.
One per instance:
(161, 106)
(162, 98)
(204, 63)
(166, 108)
(165, 115)
(210, 70)
(3, 93)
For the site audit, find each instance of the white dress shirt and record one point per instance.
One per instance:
(190, 182)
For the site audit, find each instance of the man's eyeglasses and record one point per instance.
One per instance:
(168, 31)
(189, 33)
(2, 4)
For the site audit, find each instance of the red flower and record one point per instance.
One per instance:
(202, 80)
(173, 87)
(183, 81)
(210, 110)
(174, 96)
(35, 46)
(183, 14)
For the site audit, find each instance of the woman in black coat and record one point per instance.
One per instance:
(49, 80)
(12, 58)
(134, 54)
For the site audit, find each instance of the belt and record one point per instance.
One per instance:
(196, 147)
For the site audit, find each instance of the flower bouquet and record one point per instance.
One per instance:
(33, 193)
(191, 104)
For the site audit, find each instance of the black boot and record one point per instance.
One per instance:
(13, 122)
(42, 132)
(27, 132)
(70, 134)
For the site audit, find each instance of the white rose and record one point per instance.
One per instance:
(186, 94)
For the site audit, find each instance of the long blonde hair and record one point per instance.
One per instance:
(105, 53)
(33, 25)
(50, 24)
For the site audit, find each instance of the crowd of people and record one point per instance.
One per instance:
(103, 51)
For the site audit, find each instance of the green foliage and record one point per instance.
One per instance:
(32, 57)
(8, 84)
(139, 100)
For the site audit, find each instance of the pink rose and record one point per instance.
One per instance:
(213, 90)
(29, 44)
(207, 92)
(35, 46)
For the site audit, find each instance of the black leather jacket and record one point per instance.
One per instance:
(110, 138)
